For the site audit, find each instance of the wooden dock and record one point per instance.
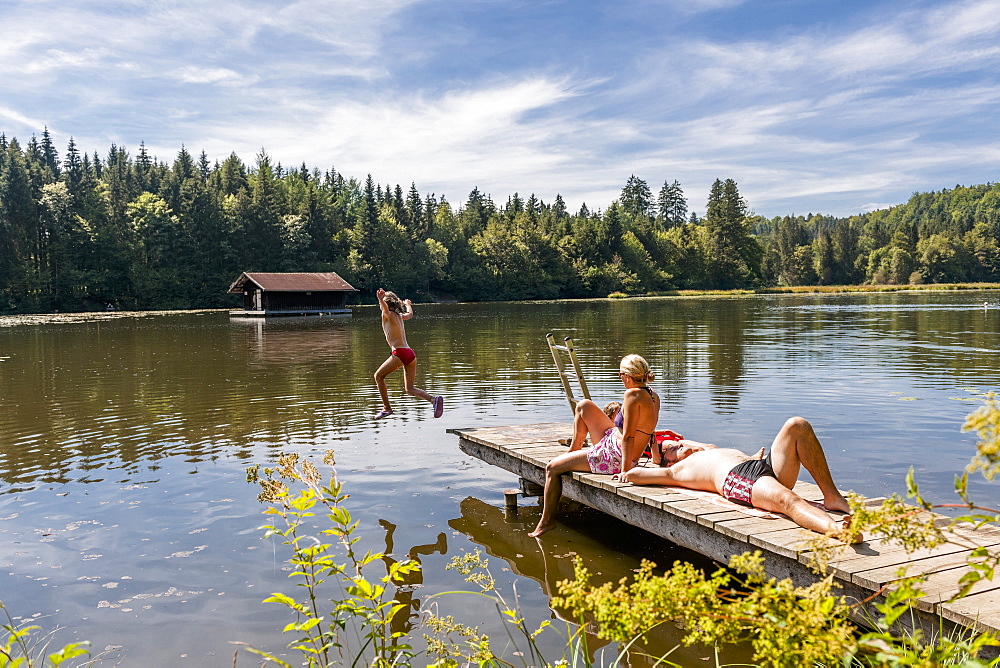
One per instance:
(698, 523)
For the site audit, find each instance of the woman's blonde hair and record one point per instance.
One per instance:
(636, 368)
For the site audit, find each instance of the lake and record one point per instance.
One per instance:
(126, 520)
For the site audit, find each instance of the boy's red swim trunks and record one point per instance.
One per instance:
(405, 355)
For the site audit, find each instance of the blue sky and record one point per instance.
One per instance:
(810, 105)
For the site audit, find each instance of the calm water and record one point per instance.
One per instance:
(126, 519)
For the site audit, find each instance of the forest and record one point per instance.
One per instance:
(82, 232)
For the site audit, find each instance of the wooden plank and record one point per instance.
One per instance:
(641, 494)
(539, 456)
(517, 434)
(941, 586)
(661, 498)
(921, 562)
(807, 490)
(711, 520)
(790, 542)
(692, 509)
(978, 611)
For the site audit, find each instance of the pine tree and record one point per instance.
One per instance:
(49, 154)
(636, 198)
(73, 172)
(18, 228)
(673, 207)
(735, 256)
(415, 213)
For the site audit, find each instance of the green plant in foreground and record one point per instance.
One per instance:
(356, 630)
(19, 649)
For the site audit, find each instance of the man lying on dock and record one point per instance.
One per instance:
(755, 480)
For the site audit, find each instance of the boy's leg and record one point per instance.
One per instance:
(796, 444)
(410, 375)
(387, 367)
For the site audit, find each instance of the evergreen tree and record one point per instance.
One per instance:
(672, 205)
(49, 155)
(415, 214)
(73, 172)
(18, 228)
(636, 198)
(734, 254)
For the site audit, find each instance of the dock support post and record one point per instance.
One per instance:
(530, 488)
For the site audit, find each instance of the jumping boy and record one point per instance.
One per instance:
(394, 312)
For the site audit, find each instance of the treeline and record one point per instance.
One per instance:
(81, 232)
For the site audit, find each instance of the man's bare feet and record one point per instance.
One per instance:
(542, 528)
(837, 504)
(845, 524)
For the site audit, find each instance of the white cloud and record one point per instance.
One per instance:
(827, 113)
(17, 117)
(208, 75)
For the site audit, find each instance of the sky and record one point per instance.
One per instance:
(811, 106)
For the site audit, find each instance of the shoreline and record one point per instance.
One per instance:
(25, 318)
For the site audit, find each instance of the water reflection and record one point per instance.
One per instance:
(297, 341)
(143, 424)
(551, 559)
(407, 581)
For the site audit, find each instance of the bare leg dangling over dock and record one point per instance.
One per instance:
(588, 419)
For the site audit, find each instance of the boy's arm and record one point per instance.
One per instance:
(409, 310)
(380, 296)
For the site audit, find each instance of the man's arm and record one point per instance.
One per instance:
(648, 475)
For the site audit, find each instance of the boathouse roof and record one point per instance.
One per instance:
(293, 282)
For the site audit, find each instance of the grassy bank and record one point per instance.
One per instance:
(819, 289)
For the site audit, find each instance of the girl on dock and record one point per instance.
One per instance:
(394, 312)
(619, 442)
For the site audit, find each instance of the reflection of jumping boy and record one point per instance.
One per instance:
(394, 312)
(407, 581)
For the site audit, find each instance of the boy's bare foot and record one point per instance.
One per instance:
(383, 413)
(542, 528)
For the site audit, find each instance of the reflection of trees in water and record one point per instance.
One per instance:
(610, 557)
(407, 583)
(726, 324)
(124, 393)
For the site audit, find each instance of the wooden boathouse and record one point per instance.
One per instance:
(716, 528)
(286, 294)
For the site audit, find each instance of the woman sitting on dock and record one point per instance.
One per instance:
(617, 442)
